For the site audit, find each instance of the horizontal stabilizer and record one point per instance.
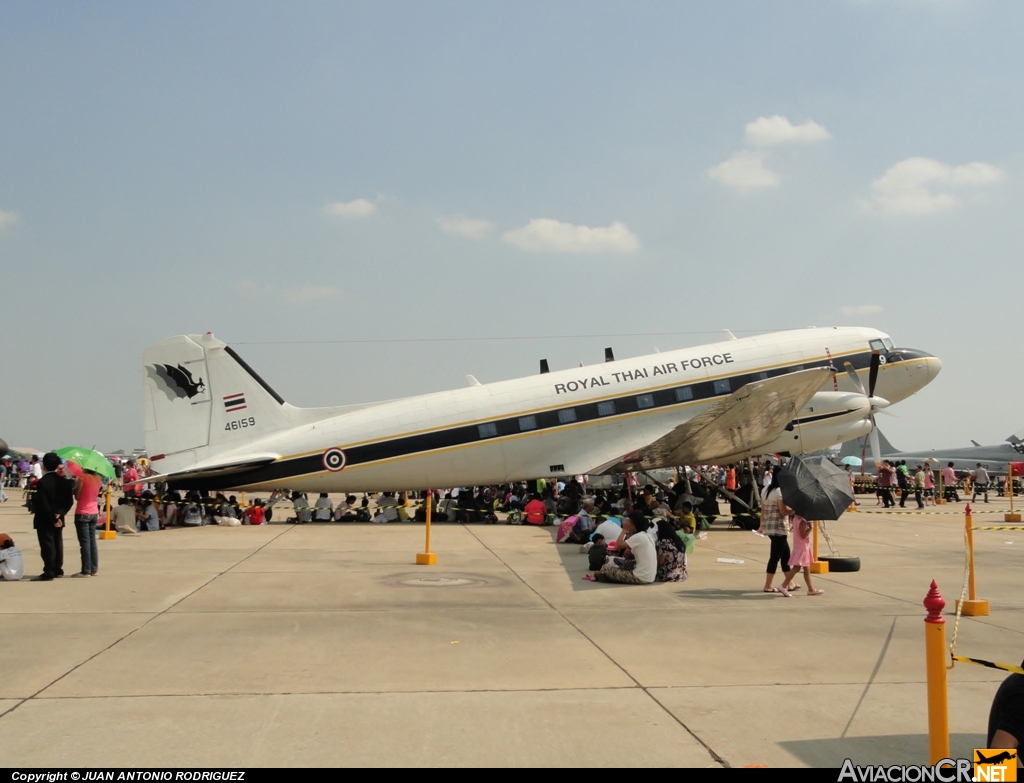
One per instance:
(211, 469)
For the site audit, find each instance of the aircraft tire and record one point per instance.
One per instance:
(841, 565)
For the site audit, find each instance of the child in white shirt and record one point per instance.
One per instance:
(12, 567)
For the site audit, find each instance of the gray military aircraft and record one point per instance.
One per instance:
(994, 459)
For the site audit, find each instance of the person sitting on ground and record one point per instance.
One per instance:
(12, 566)
(671, 550)
(598, 552)
(536, 512)
(324, 508)
(146, 515)
(642, 567)
(609, 528)
(685, 518)
(303, 513)
(122, 516)
(255, 514)
(387, 509)
(192, 512)
(172, 508)
(447, 508)
(346, 510)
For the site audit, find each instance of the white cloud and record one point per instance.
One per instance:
(310, 293)
(543, 235)
(465, 227)
(8, 219)
(351, 210)
(861, 309)
(744, 171)
(766, 131)
(919, 186)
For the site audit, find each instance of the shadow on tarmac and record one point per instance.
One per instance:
(909, 749)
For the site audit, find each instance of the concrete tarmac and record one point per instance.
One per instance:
(324, 645)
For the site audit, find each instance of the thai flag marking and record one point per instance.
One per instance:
(234, 402)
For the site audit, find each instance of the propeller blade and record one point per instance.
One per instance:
(855, 378)
(876, 360)
(876, 450)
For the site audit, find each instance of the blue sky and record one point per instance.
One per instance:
(402, 171)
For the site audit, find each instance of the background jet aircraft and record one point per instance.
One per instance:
(993, 458)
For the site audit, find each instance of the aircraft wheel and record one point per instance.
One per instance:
(841, 564)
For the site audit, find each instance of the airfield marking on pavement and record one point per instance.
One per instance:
(715, 756)
(138, 628)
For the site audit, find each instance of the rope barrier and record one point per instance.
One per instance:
(959, 609)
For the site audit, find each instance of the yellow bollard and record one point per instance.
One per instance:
(817, 567)
(935, 659)
(973, 606)
(1011, 517)
(108, 534)
(940, 499)
(427, 557)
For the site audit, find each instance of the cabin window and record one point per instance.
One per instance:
(761, 376)
(722, 386)
(489, 430)
(645, 401)
(606, 408)
(684, 393)
(567, 415)
(877, 345)
(527, 423)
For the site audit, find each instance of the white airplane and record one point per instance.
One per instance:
(212, 423)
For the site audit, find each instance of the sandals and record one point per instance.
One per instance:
(589, 578)
(816, 592)
(783, 591)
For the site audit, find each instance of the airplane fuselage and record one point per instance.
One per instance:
(558, 423)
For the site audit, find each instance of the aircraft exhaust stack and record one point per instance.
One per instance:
(544, 366)
(608, 355)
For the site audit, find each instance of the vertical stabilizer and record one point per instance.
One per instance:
(202, 399)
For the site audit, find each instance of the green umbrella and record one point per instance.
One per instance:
(87, 459)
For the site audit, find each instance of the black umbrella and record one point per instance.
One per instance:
(815, 488)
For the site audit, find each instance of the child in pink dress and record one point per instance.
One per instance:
(801, 556)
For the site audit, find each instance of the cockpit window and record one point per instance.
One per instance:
(877, 345)
(888, 343)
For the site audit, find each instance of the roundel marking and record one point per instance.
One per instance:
(334, 460)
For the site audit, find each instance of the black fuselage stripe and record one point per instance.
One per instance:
(544, 420)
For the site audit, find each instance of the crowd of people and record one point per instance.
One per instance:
(631, 534)
(921, 480)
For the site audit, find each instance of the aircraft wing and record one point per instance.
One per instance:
(211, 469)
(747, 419)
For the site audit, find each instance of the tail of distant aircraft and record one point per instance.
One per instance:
(859, 446)
(199, 397)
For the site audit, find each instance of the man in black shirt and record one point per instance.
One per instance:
(1006, 720)
(54, 497)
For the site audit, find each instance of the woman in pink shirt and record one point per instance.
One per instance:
(87, 491)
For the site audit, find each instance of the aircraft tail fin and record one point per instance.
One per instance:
(201, 400)
(885, 445)
(862, 445)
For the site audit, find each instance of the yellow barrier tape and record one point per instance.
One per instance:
(1001, 527)
(935, 513)
(1003, 666)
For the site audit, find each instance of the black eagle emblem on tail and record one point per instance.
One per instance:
(176, 382)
